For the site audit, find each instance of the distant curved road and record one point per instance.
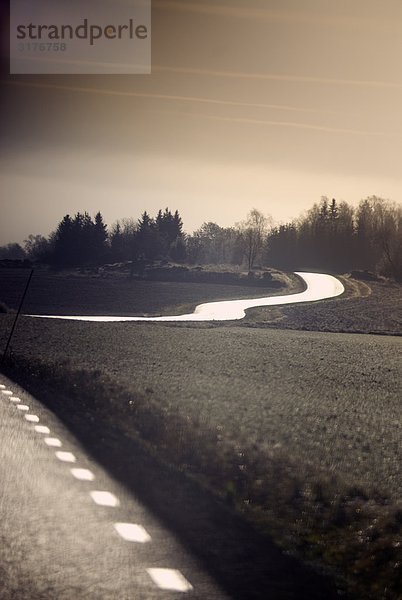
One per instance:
(319, 286)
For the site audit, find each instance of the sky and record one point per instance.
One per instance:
(268, 104)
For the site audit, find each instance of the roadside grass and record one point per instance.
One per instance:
(353, 532)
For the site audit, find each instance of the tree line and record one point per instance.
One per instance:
(338, 237)
(85, 241)
(331, 236)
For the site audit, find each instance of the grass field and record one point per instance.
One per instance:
(298, 430)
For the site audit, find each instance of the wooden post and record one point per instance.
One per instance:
(17, 315)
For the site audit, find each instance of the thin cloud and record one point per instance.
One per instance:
(238, 74)
(239, 120)
(221, 10)
(249, 12)
(193, 99)
(292, 124)
(277, 77)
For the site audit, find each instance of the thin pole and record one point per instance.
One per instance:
(17, 315)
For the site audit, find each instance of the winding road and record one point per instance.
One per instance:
(319, 286)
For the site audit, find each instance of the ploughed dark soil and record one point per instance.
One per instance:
(298, 431)
(374, 307)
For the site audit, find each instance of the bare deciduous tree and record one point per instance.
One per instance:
(253, 232)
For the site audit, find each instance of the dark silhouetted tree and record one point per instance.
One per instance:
(79, 241)
(99, 237)
(37, 248)
(123, 238)
(12, 251)
(149, 242)
(212, 244)
(379, 231)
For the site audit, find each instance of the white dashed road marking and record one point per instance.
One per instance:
(165, 579)
(83, 474)
(42, 429)
(54, 442)
(32, 418)
(104, 498)
(169, 579)
(66, 457)
(132, 532)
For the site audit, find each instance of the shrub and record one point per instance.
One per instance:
(4, 308)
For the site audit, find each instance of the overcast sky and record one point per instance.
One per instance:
(268, 104)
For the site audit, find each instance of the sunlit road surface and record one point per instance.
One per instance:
(68, 530)
(319, 286)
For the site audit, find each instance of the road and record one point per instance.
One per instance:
(68, 530)
(319, 286)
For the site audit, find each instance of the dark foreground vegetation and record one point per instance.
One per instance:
(299, 432)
